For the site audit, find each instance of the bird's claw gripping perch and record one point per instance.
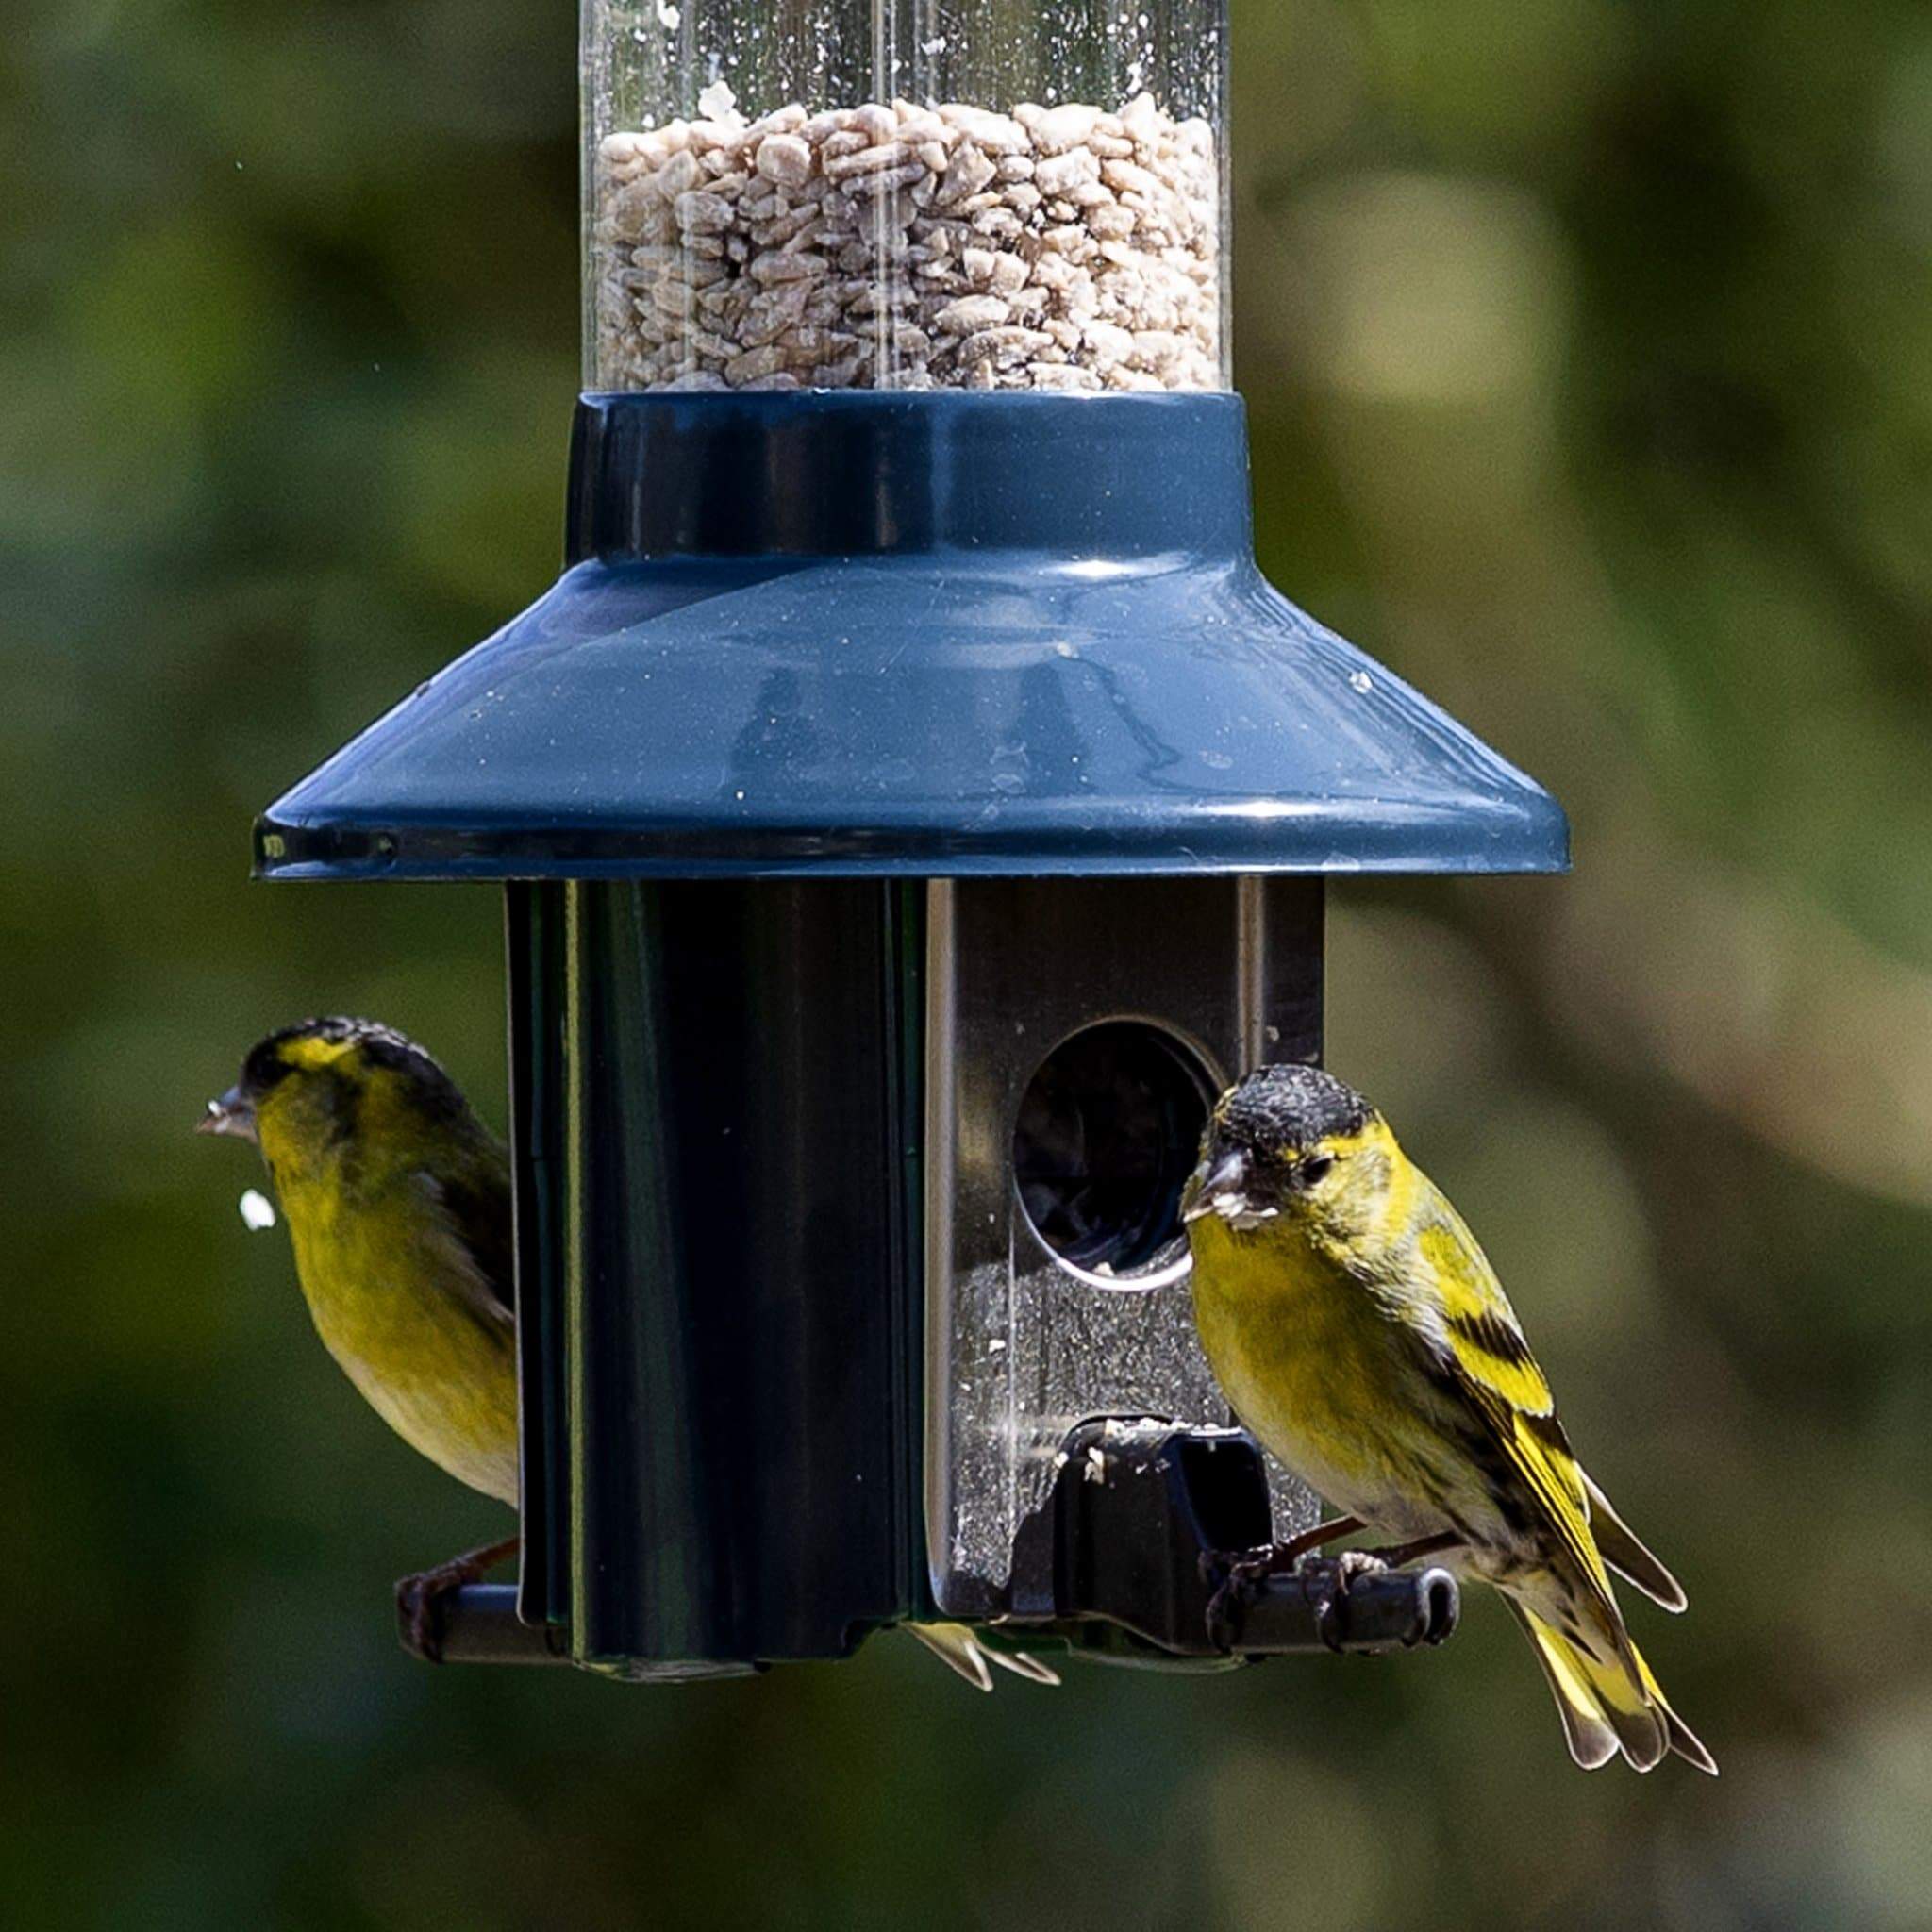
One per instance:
(1243, 1580)
(1324, 1580)
(419, 1598)
(1327, 1582)
(419, 1606)
(1240, 1579)
(1242, 1575)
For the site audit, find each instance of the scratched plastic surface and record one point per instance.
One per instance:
(1036, 1355)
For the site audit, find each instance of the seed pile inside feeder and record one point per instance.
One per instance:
(909, 247)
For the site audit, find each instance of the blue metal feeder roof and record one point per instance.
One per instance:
(938, 634)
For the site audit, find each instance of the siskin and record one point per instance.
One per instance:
(1359, 1332)
(398, 1203)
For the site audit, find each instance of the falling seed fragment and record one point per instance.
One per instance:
(257, 1210)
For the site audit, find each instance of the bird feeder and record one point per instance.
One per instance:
(912, 807)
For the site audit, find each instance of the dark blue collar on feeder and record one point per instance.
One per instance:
(914, 809)
(926, 635)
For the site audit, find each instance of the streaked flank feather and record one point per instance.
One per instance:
(1360, 1331)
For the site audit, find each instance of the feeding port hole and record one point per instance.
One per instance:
(1109, 1130)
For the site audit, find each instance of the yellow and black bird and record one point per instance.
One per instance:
(398, 1203)
(1360, 1333)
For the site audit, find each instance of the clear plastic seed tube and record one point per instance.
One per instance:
(905, 194)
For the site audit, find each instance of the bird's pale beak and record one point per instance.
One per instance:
(1221, 1188)
(232, 1114)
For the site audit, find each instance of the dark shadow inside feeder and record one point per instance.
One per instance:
(1109, 1130)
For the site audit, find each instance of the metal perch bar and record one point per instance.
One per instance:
(478, 1625)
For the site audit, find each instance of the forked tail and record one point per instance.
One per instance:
(1609, 1705)
(956, 1646)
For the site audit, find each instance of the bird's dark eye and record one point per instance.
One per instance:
(264, 1068)
(1315, 1168)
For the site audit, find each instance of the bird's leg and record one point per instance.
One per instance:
(1282, 1558)
(419, 1598)
(1244, 1572)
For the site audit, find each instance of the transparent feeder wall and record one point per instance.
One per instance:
(905, 194)
(1071, 1065)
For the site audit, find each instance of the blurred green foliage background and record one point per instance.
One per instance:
(1589, 347)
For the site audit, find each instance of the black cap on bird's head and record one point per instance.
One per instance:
(1290, 1109)
(1275, 1135)
(339, 1051)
